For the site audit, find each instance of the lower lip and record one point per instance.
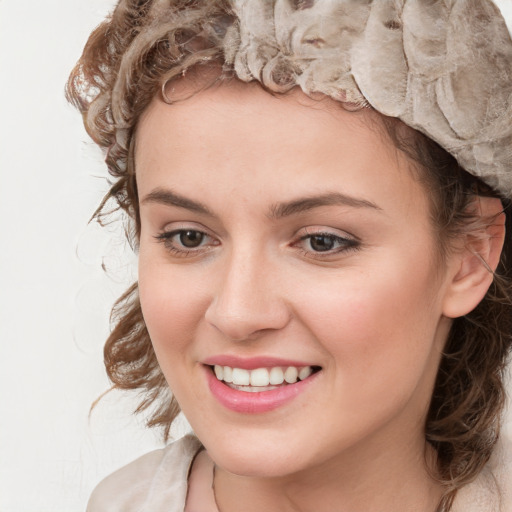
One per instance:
(259, 402)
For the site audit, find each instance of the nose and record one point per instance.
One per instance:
(248, 299)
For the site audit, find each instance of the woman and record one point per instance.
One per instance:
(317, 278)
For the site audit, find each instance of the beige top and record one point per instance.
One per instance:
(159, 482)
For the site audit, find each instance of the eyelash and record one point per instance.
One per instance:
(167, 237)
(346, 244)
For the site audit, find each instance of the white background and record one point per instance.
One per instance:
(54, 296)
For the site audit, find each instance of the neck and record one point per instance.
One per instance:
(361, 481)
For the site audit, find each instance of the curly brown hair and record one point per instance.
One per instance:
(128, 60)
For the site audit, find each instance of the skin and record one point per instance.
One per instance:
(372, 313)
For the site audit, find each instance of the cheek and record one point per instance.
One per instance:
(173, 303)
(379, 328)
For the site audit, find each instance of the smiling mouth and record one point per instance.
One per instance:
(262, 379)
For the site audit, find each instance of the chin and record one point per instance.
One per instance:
(262, 466)
(245, 456)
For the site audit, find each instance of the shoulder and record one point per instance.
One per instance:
(492, 489)
(150, 482)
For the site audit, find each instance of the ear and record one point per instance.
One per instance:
(472, 268)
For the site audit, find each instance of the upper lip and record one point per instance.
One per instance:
(251, 363)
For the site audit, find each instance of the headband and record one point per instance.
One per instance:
(443, 67)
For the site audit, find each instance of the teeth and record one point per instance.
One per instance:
(241, 377)
(260, 378)
(276, 376)
(219, 372)
(305, 372)
(253, 389)
(291, 374)
(228, 374)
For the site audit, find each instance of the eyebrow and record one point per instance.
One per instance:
(277, 211)
(170, 198)
(294, 207)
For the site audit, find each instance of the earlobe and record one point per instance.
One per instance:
(474, 266)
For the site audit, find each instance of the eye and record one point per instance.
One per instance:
(327, 243)
(322, 243)
(190, 238)
(184, 242)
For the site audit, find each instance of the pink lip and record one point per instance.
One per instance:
(264, 401)
(251, 363)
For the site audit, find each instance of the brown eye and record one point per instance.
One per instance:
(191, 239)
(326, 244)
(321, 243)
(186, 242)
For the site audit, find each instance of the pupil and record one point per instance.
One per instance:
(191, 238)
(321, 243)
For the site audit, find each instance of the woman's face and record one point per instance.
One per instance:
(283, 233)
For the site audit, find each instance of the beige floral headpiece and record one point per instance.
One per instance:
(444, 67)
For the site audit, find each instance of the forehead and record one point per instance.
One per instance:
(239, 134)
(250, 107)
